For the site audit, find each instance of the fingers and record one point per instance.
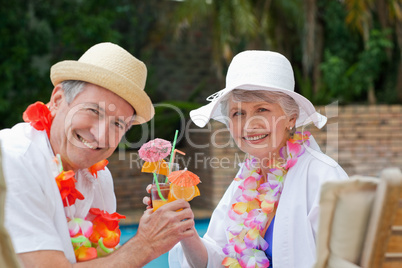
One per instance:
(177, 204)
(146, 201)
(149, 188)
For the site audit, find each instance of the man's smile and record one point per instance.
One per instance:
(86, 143)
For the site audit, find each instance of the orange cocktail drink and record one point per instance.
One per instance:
(157, 201)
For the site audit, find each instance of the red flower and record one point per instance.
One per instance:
(107, 226)
(98, 166)
(110, 220)
(66, 183)
(38, 114)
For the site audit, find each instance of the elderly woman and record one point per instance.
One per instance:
(268, 217)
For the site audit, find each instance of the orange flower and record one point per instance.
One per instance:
(39, 116)
(111, 238)
(85, 254)
(98, 166)
(105, 225)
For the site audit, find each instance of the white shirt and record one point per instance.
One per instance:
(34, 211)
(296, 220)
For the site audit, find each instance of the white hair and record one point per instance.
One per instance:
(286, 102)
(72, 88)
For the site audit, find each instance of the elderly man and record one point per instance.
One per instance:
(60, 205)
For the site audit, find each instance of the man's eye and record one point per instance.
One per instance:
(94, 110)
(119, 125)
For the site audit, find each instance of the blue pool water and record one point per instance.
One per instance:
(128, 231)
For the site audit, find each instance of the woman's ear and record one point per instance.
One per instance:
(56, 99)
(292, 122)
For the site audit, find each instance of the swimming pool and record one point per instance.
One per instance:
(128, 231)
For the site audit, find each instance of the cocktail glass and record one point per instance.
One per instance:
(160, 198)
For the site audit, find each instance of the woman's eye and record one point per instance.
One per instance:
(236, 114)
(263, 110)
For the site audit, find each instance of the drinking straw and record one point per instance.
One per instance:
(158, 188)
(177, 151)
(172, 153)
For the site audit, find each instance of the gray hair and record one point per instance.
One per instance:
(72, 88)
(287, 103)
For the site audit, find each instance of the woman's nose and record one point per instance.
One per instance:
(254, 121)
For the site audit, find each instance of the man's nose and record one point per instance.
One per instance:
(101, 132)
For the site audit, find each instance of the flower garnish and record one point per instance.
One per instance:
(255, 207)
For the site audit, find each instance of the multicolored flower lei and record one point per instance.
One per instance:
(256, 206)
(98, 234)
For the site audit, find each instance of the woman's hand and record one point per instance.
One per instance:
(147, 200)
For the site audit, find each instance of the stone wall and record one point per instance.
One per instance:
(362, 139)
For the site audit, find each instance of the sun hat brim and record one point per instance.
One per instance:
(119, 84)
(307, 114)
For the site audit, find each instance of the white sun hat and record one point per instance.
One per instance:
(111, 67)
(258, 70)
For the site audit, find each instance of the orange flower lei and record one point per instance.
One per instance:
(98, 234)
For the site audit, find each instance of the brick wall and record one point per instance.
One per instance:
(363, 140)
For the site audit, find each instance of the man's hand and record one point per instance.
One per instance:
(157, 233)
(162, 229)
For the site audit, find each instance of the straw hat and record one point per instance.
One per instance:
(258, 70)
(110, 66)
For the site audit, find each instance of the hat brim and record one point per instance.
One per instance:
(118, 84)
(307, 114)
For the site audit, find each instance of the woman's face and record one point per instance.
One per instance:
(259, 128)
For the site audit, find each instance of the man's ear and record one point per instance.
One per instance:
(56, 99)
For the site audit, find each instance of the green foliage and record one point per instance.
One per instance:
(352, 80)
(350, 66)
(37, 34)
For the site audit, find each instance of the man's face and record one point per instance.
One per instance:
(90, 128)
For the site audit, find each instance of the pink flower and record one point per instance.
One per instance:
(237, 224)
(253, 239)
(235, 245)
(251, 258)
(256, 219)
(80, 226)
(248, 167)
(249, 189)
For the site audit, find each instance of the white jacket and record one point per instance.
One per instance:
(34, 211)
(296, 221)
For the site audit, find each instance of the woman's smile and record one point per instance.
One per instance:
(255, 138)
